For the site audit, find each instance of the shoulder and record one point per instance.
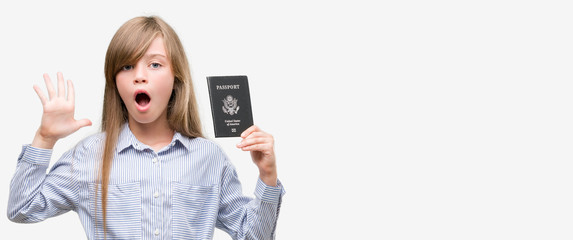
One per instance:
(207, 148)
(89, 145)
(93, 141)
(203, 144)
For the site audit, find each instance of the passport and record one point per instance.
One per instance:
(230, 105)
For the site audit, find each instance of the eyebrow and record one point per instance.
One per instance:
(153, 55)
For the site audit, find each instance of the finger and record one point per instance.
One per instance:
(258, 134)
(256, 138)
(40, 94)
(71, 93)
(83, 123)
(61, 86)
(49, 86)
(264, 147)
(250, 141)
(249, 130)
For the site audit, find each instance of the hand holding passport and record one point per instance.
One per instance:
(232, 114)
(230, 105)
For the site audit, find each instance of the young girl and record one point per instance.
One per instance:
(149, 174)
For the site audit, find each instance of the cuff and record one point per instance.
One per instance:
(269, 194)
(35, 155)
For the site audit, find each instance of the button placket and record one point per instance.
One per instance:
(156, 199)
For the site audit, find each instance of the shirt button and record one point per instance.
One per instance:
(156, 194)
(154, 160)
(156, 231)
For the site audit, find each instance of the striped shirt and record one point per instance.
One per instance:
(183, 191)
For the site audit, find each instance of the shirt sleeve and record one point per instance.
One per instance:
(35, 195)
(247, 218)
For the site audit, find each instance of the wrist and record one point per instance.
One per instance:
(269, 177)
(43, 142)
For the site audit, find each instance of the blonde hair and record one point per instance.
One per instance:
(127, 46)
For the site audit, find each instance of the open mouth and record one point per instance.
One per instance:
(142, 99)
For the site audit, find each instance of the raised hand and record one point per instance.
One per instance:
(58, 117)
(262, 148)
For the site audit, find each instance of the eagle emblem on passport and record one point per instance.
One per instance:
(230, 105)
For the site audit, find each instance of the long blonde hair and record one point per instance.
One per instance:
(127, 46)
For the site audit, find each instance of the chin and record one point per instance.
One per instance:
(144, 118)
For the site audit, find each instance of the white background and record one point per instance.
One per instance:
(409, 120)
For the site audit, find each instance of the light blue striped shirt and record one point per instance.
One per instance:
(183, 191)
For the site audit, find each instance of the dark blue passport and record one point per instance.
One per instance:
(230, 105)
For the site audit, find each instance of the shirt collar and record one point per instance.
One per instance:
(126, 139)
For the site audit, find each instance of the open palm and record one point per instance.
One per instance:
(58, 116)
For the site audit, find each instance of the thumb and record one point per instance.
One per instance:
(83, 123)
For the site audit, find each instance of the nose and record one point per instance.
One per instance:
(140, 75)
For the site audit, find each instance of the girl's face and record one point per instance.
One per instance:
(146, 87)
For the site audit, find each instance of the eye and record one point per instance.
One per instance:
(155, 65)
(127, 67)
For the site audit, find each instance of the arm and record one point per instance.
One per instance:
(33, 195)
(245, 218)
